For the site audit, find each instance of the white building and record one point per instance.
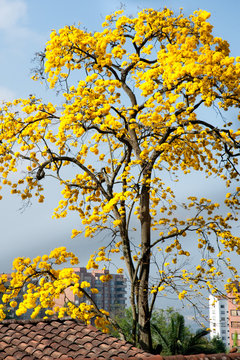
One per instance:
(219, 318)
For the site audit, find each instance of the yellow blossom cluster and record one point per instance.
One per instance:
(129, 123)
(45, 285)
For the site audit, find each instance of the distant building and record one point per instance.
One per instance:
(234, 318)
(10, 312)
(225, 318)
(111, 296)
(219, 318)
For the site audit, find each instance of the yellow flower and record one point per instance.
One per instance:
(120, 271)
(182, 294)
(94, 291)
(13, 304)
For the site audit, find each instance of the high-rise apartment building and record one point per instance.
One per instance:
(111, 294)
(10, 312)
(234, 319)
(219, 318)
(225, 318)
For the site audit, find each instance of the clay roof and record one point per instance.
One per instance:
(71, 340)
(234, 356)
(61, 339)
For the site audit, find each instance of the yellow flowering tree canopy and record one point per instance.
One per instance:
(127, 118)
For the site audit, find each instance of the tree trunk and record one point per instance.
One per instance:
(145, 339)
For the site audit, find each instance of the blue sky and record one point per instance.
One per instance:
(25, 26)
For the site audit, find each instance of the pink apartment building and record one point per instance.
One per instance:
(111, 296)
(225, 318)
(234, 319)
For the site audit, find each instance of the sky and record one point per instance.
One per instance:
(25, 26)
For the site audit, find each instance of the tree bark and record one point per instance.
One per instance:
(145, 339)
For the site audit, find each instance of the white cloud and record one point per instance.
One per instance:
(13, 16)
(11, 12)
(6, 94)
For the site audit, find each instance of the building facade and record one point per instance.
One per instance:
(219, 318)
(234, 320)
(225, 319)
(111, 294)
(10, 312)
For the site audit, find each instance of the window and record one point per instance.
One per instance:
(235, 312)
(223, 312)
(233, 335)
(222, 306)
(235, 324)
(223, 331)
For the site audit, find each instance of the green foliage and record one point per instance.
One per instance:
(167, 325)
(126, 324)
(170, 334)
(218, 345)
(235, 339)
(198, 343)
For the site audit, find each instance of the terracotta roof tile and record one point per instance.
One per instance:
(29, 349)
(96, 342)
(69, 339)
(9, 350)
(38, 337)
(61, 339)
(37, 354)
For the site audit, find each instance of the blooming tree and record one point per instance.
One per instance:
(129, 116)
